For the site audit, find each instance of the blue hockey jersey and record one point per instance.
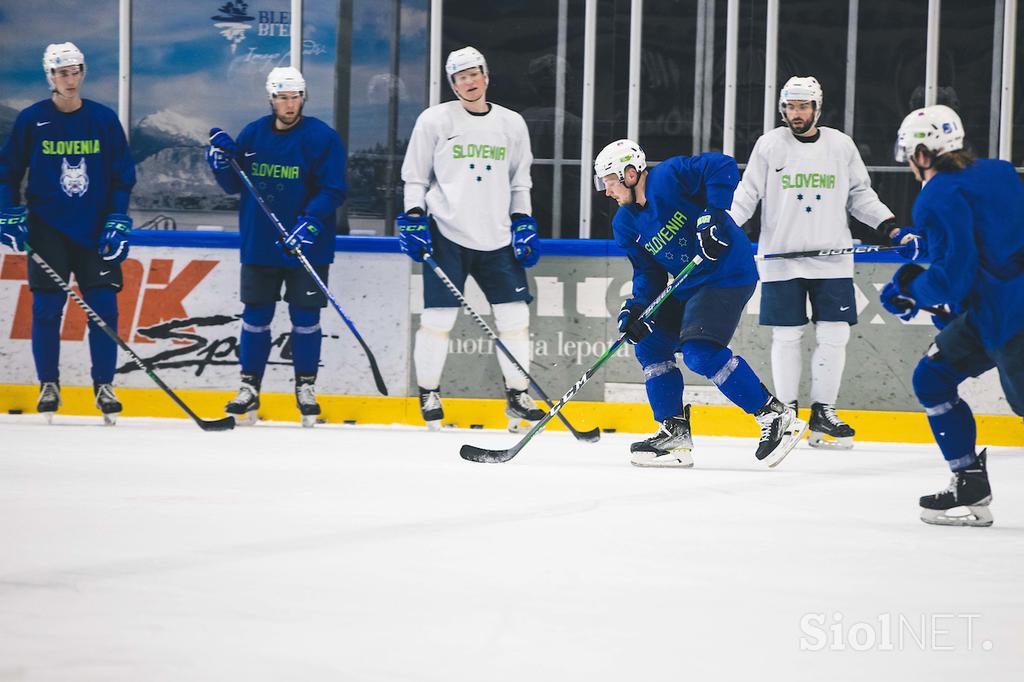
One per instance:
(80, 169)
(974, 223)
(299, 171)
(660, 238)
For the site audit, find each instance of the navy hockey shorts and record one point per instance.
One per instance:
(66, 256)
(711, 314)
(960, 346)
(261, 285)
(784, 304)
(497, 273)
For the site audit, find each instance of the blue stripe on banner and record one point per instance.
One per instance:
(588, 248)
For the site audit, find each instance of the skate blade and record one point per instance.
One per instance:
(517, 425)
(434, 425)
(110, 419)
(978, 516)
(817, 439)
(679, 459)
(247, 419)
(796, 431)
(309, 421)
(48, 416)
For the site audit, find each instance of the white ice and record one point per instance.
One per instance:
(154, 551)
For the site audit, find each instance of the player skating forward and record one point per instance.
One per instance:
(467, 202)
(75, 217)
(667, 215)
(807, 178)
(969, 219)
(297, 162)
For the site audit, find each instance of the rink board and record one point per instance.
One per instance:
(179, 310)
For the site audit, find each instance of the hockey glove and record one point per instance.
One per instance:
(914, 246)
(896, 296)
(886, 228)
(629, 321)
(306, 230)
(14, 227)
(221, 148)
(942, 316)
(113, 246)
(414, 234)
(710, 237)
(525, 242)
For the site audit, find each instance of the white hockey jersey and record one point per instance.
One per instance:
(806, 190)
(470, 172)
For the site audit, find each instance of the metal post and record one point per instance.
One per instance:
(997, 63)
(732, 24)
(1006, 106)
(698, 78)
(124, 67)
(851, 65)
(343, 89)
(559, 150)
(708, 78)
(931, 73)
(771, 61)
(390, 181)
(587, 133)
(295, 34)
(436, 13)
(636, 22)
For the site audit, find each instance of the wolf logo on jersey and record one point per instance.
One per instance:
(74, 180)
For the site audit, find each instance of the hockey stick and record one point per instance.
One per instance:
(377, 378)
(829, 252)
(223, 424)
(591, 436)
(475, 454)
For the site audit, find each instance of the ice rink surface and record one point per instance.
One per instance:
(155, 551)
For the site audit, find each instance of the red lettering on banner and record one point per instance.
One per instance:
(16, 268)
(166, 303)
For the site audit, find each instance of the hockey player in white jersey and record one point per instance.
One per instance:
(807, 178)
(467, 203)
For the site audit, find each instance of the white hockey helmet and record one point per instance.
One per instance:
(466, 58)
(801, 89)
(58, 55)
(616, 157)
(937, 127)
(285, 79)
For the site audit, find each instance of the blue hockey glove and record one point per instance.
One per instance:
(114, 238)
(525, 242)
(942, 316)
(221, 148)
(710, 237)
(306, 230)
(914, 245)
(630, 323)
(414, 235)
(895, 295)
(14, 227)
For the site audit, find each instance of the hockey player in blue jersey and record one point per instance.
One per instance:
(667, 215)
(969, 218)
(298, 163)
(74, 216)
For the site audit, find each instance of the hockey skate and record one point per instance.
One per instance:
(49, 400)
(781, 430)
(669, 447)
(108, 403)
(305, 398)
(827, 430)
(519, 408)
(968, 492)
(243, 406)
(430, 408)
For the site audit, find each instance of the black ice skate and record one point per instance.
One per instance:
(520, 407)
(430, 407)
(305, 398)
(669, 447)
(49, 399)
(827, 430)
(244, 405)
(781, 430)
(108, 403)
(968, 492)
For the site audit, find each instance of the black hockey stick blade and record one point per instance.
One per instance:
(374, 370)
(485, 456)
(591, 436)
(223, 424)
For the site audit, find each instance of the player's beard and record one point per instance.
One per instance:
(290, 120)
(802, 127)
